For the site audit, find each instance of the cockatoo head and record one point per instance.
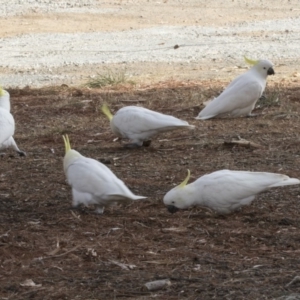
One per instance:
(4, 99)
(107, 112)
(263, 66)
(70, 155)
(178, 197)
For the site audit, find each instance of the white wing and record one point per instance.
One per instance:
(237, 99)
(87, 175)
(227, 190)
(138, 122)
(7, 125)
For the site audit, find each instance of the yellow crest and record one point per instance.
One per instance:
(106, 111)
(250, 61)
(1, 91)
(67, 143)
(186, 180)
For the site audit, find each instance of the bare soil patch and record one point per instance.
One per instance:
(251, 254)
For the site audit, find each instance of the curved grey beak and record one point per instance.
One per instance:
(172, 209)
(271, 71)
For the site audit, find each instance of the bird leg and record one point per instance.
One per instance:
(99, 210)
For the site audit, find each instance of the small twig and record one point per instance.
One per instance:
(75, 216)
(5, 234)
(243, 143)
(141, 224)
(176, 139)
(296, 279)
(121, 157)
(133, 101)
(126, 267)
(59, 255)
(32, 291)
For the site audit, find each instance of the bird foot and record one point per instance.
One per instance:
(147, 143)
(132, 146)
(99, 210)
(21, 153)
(79, 208)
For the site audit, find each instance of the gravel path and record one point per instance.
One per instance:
(39, 59)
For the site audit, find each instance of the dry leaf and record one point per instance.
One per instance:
(30, 283)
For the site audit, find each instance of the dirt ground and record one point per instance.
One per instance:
(75, 254)
(70, 254)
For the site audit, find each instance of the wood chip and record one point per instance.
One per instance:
(123, 266)
(30, 283)
(157, 284)
(243, 143)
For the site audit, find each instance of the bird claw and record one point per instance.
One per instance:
(21, 153)
(253, 115)
(172, 209)
(147, 143)
(132, 146)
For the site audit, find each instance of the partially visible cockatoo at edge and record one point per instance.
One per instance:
(223, 191)
(7, 124)
(139, 124)
(240, 96)
(92, 182)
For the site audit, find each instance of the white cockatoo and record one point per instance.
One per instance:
(139, 124)
(240, 96)
(7, 124)
(223, 191)
(92, 182)
(4, 99)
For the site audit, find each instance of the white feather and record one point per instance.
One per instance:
(225, 191)
(7, 124)
(139, 124)
(5, 100)
(7, 127)
(240, 96)
(94, 183)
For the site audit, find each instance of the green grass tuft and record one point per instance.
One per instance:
(109, 78)
(271, 97)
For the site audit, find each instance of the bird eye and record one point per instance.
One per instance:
(265, 68)
(173, 202)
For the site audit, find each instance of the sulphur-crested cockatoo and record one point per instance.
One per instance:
(7, 124)
(139, 124)
(223, 191)
(92, 182)
(4, 99)
(240, 96)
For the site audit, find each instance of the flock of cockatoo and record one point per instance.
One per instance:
(222, 191)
